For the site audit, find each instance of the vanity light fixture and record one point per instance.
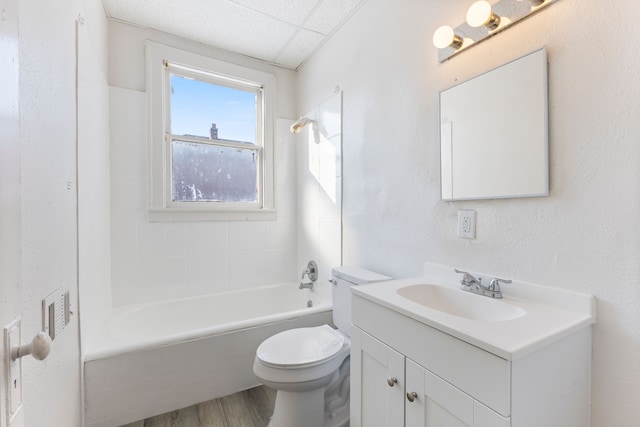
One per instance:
(445, 37)
(485, 18)
(480, 14)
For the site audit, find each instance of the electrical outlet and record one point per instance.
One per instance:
(467, 224)
(13, 368)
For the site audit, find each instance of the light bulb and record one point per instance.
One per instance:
(480, 14)
(445, 37)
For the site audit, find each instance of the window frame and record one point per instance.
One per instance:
(161, 60)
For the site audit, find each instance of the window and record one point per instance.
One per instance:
(210, 138)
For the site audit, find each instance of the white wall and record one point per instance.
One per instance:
(11, 206)
(51, 388)
(319, 195)
(94, 236)
(155, 261)
(582, 237)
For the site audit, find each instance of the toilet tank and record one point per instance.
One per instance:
(342, 279)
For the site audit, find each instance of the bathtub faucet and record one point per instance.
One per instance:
(312, 272)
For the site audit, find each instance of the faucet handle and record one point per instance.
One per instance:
(467, 278)
(496, 282)
(494, 286)
(311, 271)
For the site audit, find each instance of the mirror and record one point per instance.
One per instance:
(493, 133)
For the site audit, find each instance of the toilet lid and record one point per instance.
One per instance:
(301, 346)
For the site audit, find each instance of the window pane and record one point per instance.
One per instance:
(208, 110)
(204, 172)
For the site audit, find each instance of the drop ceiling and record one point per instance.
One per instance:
(283, 32)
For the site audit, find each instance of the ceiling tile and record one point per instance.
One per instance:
(299, 48)
(291, 11)
(330, 14)
(268, 30)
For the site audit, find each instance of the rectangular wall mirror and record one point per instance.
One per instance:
(494, 134)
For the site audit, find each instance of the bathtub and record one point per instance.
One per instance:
(150, 359)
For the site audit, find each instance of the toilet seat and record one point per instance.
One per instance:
(292, 358)
(301, 347)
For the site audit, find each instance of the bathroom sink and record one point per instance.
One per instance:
(461, 304)
(527, 318)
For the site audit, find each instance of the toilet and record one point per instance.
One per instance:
(309, 367)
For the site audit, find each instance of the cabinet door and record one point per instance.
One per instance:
(377, 383)
(433, 402)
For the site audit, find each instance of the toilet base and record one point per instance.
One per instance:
(326, 406)
(295, 409)
(302, 409)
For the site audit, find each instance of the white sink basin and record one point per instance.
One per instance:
(528, 317)
(460, 303)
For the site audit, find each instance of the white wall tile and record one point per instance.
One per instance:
(207, 272)
(285, 152)
(281, 234)
(308, 191)
(282, 265)
(129, 154)
(128, 110)
(286, 202)
(248, 235)
(128, 196)
(164, 278)
(248, 269)
(207, 237)
(319, 187)
(330, 243)
(308, 236)
(157, 240)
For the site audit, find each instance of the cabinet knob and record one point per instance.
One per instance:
(411, 396)
(392, 381)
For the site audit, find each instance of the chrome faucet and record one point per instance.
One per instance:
(312, 272)
(494, 286)
(471, 284)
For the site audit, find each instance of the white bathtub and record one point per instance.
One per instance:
(153, 358)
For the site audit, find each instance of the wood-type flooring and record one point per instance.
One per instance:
(249, 408)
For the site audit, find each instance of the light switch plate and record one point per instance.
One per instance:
(55, 312)
(13, 370)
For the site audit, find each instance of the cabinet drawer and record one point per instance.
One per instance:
(482, 375)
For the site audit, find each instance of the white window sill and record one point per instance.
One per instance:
(187, 215)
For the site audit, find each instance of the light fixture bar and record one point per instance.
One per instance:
(484, 20)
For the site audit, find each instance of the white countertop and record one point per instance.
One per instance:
(551, 313)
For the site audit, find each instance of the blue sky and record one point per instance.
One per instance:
(196, 104)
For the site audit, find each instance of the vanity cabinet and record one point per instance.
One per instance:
(407, 373)
(431, 401)
(391, 390)
(378, 382)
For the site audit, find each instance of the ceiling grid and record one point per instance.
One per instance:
(282, 32)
